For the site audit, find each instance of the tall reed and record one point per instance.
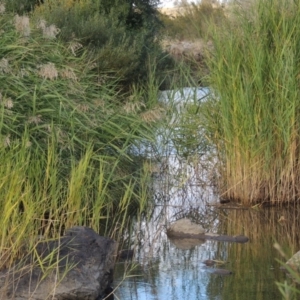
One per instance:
(254, 121)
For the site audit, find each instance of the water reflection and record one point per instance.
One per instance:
(169, 269)
(172, 271)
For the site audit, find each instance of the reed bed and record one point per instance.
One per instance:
(254, 120)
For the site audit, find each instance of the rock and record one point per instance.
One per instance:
(185, 226)
(294, 262)
(88, 258)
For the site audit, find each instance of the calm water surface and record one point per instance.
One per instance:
(174, 269)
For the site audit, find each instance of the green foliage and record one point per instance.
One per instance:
(47, 90)
(120, 34)
(21, 7)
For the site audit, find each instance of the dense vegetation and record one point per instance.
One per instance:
(67, 130)
(79, 82)
(120, 35)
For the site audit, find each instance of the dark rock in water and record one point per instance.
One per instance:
(84, 269)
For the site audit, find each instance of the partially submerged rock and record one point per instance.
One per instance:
(84, 269)
(185, 228)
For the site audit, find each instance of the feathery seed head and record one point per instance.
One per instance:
(23, 73)
(2, 8)
(74, 47)
(42, 24)
(133, 107)
(83, 107)
(153, 115)
(35, 119)
(49, 32)
(8, 103)
(4, 66)
(6, 141)
(22, 25)
(69, 74)
(48, 71)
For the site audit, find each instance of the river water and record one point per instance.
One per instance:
(173, 269)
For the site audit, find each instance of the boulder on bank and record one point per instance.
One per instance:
(84, 269)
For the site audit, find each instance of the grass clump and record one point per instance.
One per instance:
(254, 120)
